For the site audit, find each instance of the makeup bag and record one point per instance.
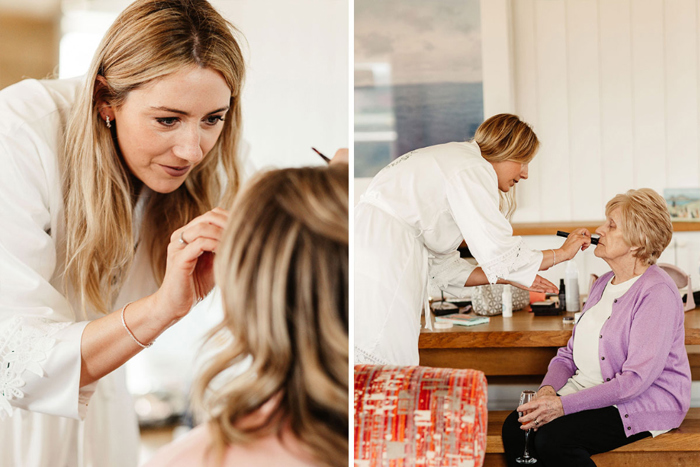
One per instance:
(486, 299)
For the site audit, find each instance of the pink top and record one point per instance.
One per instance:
(192, 449)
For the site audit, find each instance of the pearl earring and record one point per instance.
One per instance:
(109, 125)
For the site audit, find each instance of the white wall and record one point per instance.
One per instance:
(610, 87)
(297, 87)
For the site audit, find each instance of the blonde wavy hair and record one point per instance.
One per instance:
(504, 137)
(283, 272)
(645, 222)
(149, 40)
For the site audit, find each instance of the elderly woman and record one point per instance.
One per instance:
(624, 374)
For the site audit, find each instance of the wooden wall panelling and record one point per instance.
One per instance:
(28, 47)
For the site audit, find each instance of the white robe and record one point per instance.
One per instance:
(408, 226)
(46, 420)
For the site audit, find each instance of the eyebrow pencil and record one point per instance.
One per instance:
(319, 153)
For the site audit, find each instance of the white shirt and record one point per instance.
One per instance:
(411, 220)
(587, 341)
(44, 416)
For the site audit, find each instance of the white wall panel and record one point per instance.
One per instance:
(552, 117)
(616, 117)
(649, 94)
(526, 101)
(296, 91)
(681, 67)
(584, 109)
(612, 90)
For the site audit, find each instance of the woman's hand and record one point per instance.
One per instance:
(341, 156)
(540, 411)
(540, 284)
(189, 274)
(579, 239)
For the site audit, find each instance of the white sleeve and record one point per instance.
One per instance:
(472, 194)
(448, 273)
(39, 335)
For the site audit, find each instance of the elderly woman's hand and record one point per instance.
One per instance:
(540, 411)
(546, 391)
(579, 239)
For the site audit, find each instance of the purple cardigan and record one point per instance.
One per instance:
(642, 357)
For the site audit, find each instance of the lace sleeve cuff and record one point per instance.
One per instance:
(519, 264)
(449, 273)
(41, 364)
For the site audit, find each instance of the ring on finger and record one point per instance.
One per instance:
(537, 422)
(182, 240)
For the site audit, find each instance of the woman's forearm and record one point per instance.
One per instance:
(477, 277)
(106, 345)
(551, 258)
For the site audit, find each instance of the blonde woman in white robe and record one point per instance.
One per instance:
(413, 217)
(108, 195)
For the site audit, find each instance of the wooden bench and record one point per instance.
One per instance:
(679, 447)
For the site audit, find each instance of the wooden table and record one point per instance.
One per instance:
(521, 345)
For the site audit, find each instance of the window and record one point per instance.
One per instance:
(418, 79)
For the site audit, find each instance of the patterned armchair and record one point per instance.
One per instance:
(419, 416)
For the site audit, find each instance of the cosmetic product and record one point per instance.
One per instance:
(545, 308)
(319, 153)
(562, 295)
(507, 302)
(571, 281)
(594, 240)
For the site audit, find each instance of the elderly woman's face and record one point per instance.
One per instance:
(611, 244)
(167, 127)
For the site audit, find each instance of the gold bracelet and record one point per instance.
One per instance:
(129, 331)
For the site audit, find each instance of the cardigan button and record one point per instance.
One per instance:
(607, 379)
(627, 415)
(602, 358)
(615, 301)
(629, 427)
(601, 336)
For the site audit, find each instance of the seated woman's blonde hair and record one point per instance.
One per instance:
(646, 223)
(283, 272)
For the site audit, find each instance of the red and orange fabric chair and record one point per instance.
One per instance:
(419, 416)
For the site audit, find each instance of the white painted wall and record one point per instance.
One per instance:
(610, 87)
(297, 88)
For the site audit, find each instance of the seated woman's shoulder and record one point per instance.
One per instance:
(195, 448)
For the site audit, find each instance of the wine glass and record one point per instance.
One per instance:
(525, 397)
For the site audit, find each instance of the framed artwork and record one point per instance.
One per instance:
(683, 203)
